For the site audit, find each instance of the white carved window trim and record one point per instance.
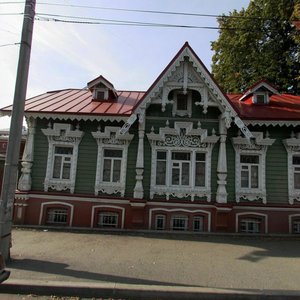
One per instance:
(186, 112)
(111, 139)
(292, 146)
(182, 138)
(257, 146)
(101, 90)
(61, 136)
(266, 97)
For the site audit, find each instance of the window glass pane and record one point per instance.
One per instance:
(112, 153)
(117, 170)
(175, 176)
(161, 172)
(296, 226)
(250, 159)
(106, 169)
(250, 225)
(182, 102)
(107, 219)
(260, 99)
(254, 176)
(200, 174)
(161, 155)
(160, 223)
(198, 224)
(185, 176)
(63, 150)
(179, 223)
(297, 180)
(66, 171)
(244, 178)
(296, 160)
(57, 166)
(200, 156)
(57, 215)
(181, 155)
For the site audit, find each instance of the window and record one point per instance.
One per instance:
(100, 94)
(249, 171)
(181, 161)
(112, 159)
(179, 223)
(296, 171)
(57, 216)
(160, 221)
(180, 165)
(250, 225)
(62, 156)
(161, 167)
(296, 226)
(182, 104)
(260, 98)
(180, 168)
(62, 162)
(250, 163)
(198, 223)
(108, 220)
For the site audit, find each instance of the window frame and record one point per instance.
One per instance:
(109, 214)
(182, 112)
(163, 218)
(61, 135)
(179, 217)
(264, 94)
(258, 145)
(111, 139)
(250, 221)
(61, 212)
(169, 185)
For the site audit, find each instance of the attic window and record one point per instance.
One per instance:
(260, 98)
(100, 94)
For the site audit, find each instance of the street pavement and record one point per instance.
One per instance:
(153, 265)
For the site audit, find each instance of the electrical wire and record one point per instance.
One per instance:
(13, 44)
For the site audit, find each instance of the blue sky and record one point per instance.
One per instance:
(70, 55)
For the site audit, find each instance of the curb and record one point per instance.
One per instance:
(130, 291)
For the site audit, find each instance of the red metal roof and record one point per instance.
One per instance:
(280, 107)
(75, 101)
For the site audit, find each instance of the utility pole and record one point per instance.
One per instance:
(15, 134)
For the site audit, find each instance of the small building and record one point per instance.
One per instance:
(182, 156)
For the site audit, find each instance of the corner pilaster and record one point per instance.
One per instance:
(221, 196)
(27, 159)
(139, 189)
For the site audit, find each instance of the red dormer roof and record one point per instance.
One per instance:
(280, 107)
(258, 85)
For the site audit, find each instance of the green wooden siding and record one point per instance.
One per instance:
(276, 159)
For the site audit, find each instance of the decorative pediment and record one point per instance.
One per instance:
(182, 135)
(292, 144)
(187, 72)
(111, 136)
(62, 132)
(258, 142)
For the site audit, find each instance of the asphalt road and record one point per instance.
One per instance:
(245, 263)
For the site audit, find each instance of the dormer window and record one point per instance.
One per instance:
(260, 98)
(100, 94)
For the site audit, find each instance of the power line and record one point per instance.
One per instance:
(13, 44)
(142, 11)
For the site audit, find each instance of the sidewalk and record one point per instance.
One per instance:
(153, 266)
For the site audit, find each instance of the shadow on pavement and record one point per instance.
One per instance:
(60, 269)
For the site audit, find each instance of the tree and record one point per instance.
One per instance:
(259, 42)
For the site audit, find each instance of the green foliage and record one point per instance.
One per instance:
(259, 42)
